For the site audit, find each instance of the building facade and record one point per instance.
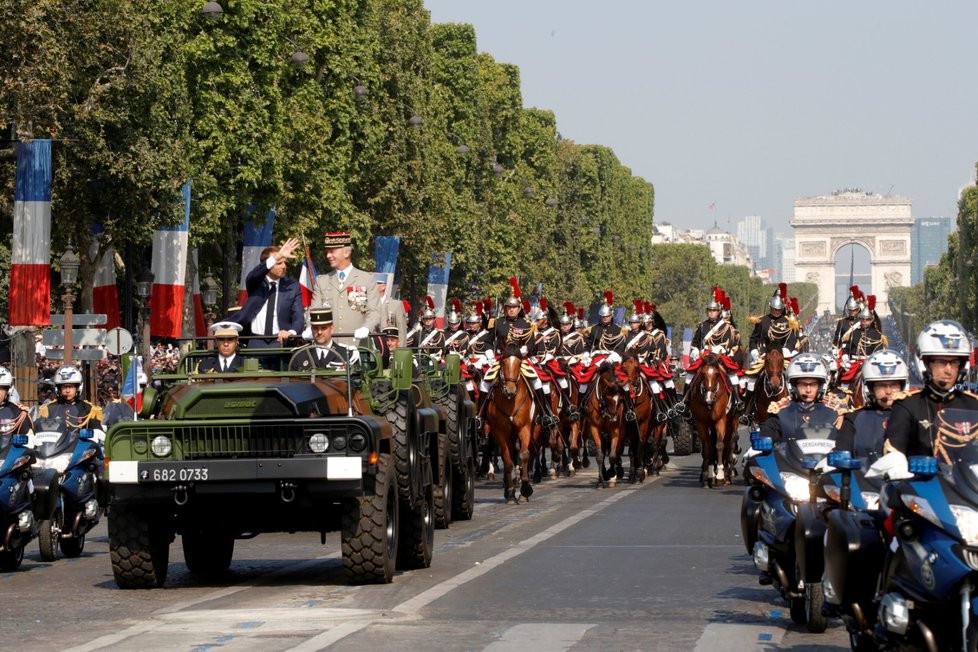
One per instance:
(929, 243)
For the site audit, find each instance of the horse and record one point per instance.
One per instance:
(640, 427)
(565, 439)
(603, 407)
(709, 399)
(773, 384)
(510, 416)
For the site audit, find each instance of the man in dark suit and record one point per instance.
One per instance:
(225, 358)
(323, 353)
(274, 306)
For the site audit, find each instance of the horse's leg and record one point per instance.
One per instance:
(507, 450)
(721, 475)
(598, 452)
(526, 453)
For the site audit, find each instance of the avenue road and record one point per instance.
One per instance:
(658, 566)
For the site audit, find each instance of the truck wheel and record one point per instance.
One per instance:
(10, 560)
(417, 536)
(814, 599)
(405, 448)
(49, 531)
(138, 548)
(369, 530)
(73, 547)
(207, 553)
(454, 436)
(463, 493)
(443, 492)
(682, 440)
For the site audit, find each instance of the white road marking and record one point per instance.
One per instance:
(731, 637)
(554, 637)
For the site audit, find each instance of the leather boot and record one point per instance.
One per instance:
(547, 418)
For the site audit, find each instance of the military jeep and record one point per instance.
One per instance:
(217, 457)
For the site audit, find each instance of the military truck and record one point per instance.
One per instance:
(218, 457)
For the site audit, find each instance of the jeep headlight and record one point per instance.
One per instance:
(161, 446)
(796, 486)
(318, 443)
(357, 442)
(966, 519)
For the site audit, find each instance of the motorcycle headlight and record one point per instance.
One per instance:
(796, 486)
(161, 446)
(59, 462)
(872, 500)
(966, 519)
(921, 508)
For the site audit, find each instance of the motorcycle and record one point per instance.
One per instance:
(927, 595)
(18, 522)
(780, 519)
(854, 547)
(72, 462)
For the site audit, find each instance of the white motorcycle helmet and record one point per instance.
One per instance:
(945, 338)
(807, 365)
(67, 375)
(884, 365)
(6, 378)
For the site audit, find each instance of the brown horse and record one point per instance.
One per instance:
(639, 428)
(604, 408)
(709, 397)
(565, 440)
(510, 416)
(773, 384)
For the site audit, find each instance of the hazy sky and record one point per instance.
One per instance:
(751, 104)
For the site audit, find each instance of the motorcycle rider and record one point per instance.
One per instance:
(943, 354)
(69, 409)
(885, 375)
(14, 418)
(807, 378)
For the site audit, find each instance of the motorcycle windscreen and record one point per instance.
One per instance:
(813, 444)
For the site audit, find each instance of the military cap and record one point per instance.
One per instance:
(226, 329)
(390, 331)
(321, 316)
(338, 239)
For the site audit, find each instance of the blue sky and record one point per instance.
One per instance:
(752, 104)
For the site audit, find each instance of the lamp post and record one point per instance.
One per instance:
(70, 262)
(144, 289)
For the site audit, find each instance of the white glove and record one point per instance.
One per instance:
(523, 350)
(361, 333)
(846, 363)
(489, 355)
(755, 356)
(694, 354)
(614, 357)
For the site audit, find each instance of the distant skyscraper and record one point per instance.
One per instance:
(784, 259)
(752, 234)
(928, 244)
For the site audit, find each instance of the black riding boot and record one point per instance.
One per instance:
(748, 407)
(547, 418)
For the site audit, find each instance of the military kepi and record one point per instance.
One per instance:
(338, 239)
(321, 317)
(226, 329)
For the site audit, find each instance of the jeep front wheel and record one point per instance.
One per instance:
(369, 531)
(139, 549)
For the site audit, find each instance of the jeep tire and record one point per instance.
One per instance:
(369, 531)
(139, 548)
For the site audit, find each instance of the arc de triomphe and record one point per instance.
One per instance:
(881, 225)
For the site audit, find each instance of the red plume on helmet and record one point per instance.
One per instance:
(717, 293)
(872, 302)
(477, 307)
(487, 304)
(569, 308)
(431, 302)
(649, 307)
(526, 305)
(726, 303)
(783, 290)
(794, 305)
(609, 297)
(407, 307)
(516, 287)
(457, 306)
(580, 313)
(638, 306)
(543, 304)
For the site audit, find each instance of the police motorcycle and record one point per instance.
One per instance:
(70, 461)
(18, 522)
(928, 591)
(780, 513)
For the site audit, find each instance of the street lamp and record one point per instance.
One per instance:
(208, 291)
(551, 202)
(212, 11)
(144, 289)
(70, 262)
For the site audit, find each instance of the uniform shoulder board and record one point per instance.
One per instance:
(777, 406)
(96, 412)
(754, 319)
(838, 422)
(902, 395)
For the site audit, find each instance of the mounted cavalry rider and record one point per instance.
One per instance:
(478, 356)
(456, 339)
(714, 335)
(916, 422)
(847, 321)
(774, 330)
(885, 376)
(514, 329)
(659, 356)
(582, 327)
(637, 339)
(428, 339)
(861, 340)
(606, 337)
(571, 341)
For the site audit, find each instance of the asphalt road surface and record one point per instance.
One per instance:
(655, 566)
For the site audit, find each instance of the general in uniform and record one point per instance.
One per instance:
(350, 292)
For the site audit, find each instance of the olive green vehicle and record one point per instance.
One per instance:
(218, 457)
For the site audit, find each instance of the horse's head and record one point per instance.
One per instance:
(608, 389)
(774, 367)
(631, 366)
(510, 370)
(711, 379)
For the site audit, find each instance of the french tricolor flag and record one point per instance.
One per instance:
(687, 345)
(170, 274)
(438, 285)
(200, 324)
(307, 277)
(30, 270)
(105, 292)
(256, 238)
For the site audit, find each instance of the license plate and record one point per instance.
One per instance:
(174, 473)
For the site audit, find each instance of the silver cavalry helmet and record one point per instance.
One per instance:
(865, 312)
(884, 365)
(945, 338)
(474, 318)
(67, 375)
(851, 303)
(807, 365)
(566, 319)
(453, 317)
(634, 318)
(776, 302)
(713, 305)
(604, 310)
(512, 300)
(536, 314)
